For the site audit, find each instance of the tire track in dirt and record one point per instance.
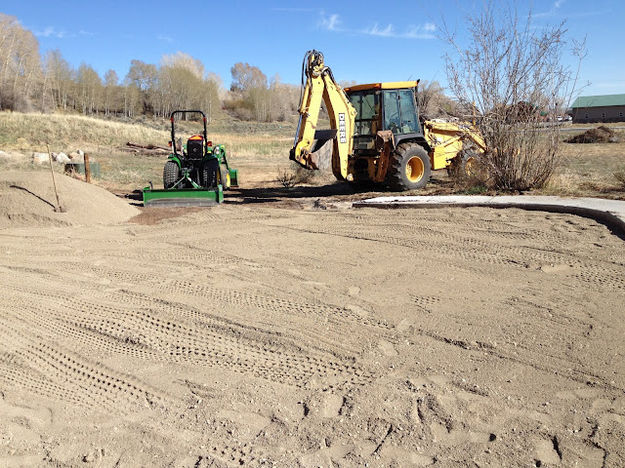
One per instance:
(91, 383)
(241, 349)
(547, 363)
(489, 251)
(334, 332)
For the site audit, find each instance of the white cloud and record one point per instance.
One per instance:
(51, 31)
(330, 23)
(334, 23)
(412, 32)
(162, 37)
(553, 11)
(388, 31)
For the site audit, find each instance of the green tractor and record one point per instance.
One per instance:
(195, 174)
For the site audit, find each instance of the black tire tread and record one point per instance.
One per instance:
(171, 174)
(209, 174)
(394, 175)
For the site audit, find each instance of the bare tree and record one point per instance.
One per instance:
(20, 65)
(59, 72)
(246, 77)
(90, 89)
(512, 74)
(430, 99)
(112, 95)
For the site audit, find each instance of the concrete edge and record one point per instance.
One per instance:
(615, 223)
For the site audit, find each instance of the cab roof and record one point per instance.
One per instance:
(387, 85)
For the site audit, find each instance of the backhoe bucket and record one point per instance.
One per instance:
(183, 197)
(321, 149)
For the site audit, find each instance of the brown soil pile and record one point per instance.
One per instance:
(27, 199)
(601, 134)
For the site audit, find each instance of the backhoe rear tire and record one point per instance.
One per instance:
(171, 174)
(409, 168)
(472, 167)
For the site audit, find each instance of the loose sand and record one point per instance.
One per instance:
(28, 199)
(259, 336)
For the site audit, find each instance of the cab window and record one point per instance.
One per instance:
(399, 112)
(407, 111)
(367, 105)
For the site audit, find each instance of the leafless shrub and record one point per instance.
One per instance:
(620, 178)
(511, 74)
(286, 177)
(432, 101)
(295, 175)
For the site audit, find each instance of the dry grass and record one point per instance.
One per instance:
(589, 169)
(259, 152)
(30, 131)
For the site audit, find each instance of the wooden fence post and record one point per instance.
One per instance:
(87, 169)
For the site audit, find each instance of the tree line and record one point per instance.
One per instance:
(31, 82)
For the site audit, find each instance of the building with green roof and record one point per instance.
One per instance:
(604, 108)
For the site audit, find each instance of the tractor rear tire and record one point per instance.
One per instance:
(171, 174)
(409, 168)
(209, 173)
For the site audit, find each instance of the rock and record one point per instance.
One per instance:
(40, 158)
(77, 157)
(62, 158)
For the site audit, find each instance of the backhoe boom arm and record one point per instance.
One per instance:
(321, 85)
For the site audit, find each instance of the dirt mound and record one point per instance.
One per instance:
(27, 199)
(601, 134)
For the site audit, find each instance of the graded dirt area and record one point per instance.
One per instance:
(255, 336)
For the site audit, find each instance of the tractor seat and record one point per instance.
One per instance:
(195, 147)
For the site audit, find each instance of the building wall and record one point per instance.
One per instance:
(599, 114)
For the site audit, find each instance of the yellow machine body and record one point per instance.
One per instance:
(387, 145)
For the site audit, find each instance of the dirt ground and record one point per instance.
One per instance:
(313, 336)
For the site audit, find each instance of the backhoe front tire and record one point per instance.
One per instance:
(409, 168)
(171, 174)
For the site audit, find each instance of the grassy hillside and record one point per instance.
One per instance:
(259, 150)
(32, 131)
(21, 131)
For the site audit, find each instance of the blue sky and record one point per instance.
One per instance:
(364, 41)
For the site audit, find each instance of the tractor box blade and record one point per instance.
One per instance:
(182, 197)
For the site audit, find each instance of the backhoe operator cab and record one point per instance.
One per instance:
(386, 116)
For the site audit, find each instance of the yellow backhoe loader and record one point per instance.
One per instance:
(375, 134)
